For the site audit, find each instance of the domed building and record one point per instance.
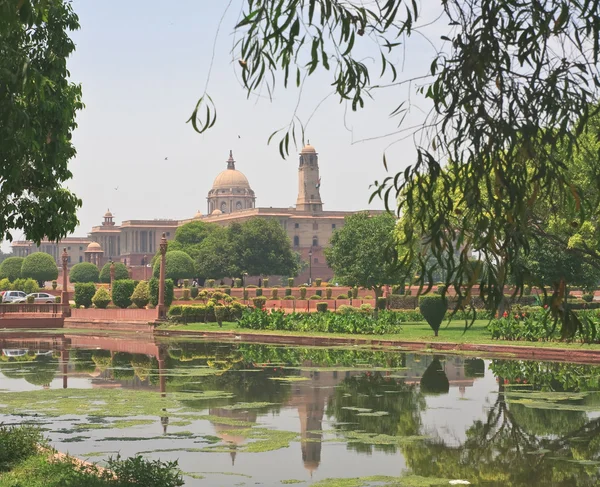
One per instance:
(230, 191)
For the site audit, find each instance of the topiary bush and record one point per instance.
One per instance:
(433, 308)
(84, 272)
(587, 297)
(259, 292)
(178, 265)
(186, 295)
(227, 290)
(441, 290)
(315, 296)
(40, 267)
(28, 286)
(101, 299)
(237, 282)
(319, 292)
(122, 291)
(289, 298)
(265, 282)
(54, 285)
(5, 284)
(341, 296)
(84, 293)
(318, 281)
(328, 292)
(169, 293)
(290, 282)
(354, 292)
(381, 302)
(30, 299)
(141, 294)
(321, 307)
(11, 268)
(209, 283)
(121, 272)
(221, 313)
(194, 292)
(259, 302)
(274, 294)
(303, 292)
(288, 292)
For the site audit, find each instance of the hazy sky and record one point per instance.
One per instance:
(143, 65)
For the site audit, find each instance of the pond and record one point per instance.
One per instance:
(237, 414)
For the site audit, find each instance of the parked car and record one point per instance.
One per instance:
(14, 297)
(38, 298)
(14, 353)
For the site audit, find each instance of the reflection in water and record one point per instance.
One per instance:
(536, 430)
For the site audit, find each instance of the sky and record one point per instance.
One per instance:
(144, 64)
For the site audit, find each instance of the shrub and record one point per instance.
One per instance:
(186, 294)
(84, 292)
(169, 293)
(398, 289)
(319, 292)
(408, 292)
(355, 292)
(237, 282)
(259, 302)
(368, 296)
(11, 268)
(178, 265)
(30, 299)
(288, 292)
(227, 290)
(101, 299)
(318, 282)
(341, 296)
(587, 297)
(18, 443)
(346, 309)
(441, 290)
(527, 290)
(367, 308)
(303, 292)
(141, 294)
(57, 300)
(290, 298)
(220, 314)
(210, 283)
(290, 282)
(28, 286)
(328, 292)
(274, 294)
(251, 286)
(121, 272)
(5, 284)
(265, 282)
(245, 294)
(40, 267)
(399, 301)
(315, 296)
(122, 291)
(433, 308)
(194, 292)
(141, 471)
(321, 307)
(84, 272)
(54, 285)
(381, 302)
(329, 284)
(259, 292)
(186, 283)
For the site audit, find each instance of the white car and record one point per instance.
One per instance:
(38, 298)
(14, 297)
(14, 353)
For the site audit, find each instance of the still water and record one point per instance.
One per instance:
(236, 414)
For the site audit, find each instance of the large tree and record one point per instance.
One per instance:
(37, 118)
(178, 265)
(513, 78)
(39, 266)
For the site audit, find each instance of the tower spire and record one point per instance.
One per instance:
(230, 161)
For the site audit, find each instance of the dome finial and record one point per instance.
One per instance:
(230, 161)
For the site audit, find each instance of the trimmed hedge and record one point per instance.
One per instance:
(40, 267)
(205, 313)
(321, 307)
(101, 299)
(10, 268)
(169, 293)
(84, 293)
(402, 301)
(381, 303)
(433, 308)
(122, 291)
(84, 272)
(141, 294)
(303, 292)
(121, 272)
(259, 301)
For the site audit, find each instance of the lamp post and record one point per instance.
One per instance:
(65, 293)
(161, 283)
(310, 267)
(244, 275)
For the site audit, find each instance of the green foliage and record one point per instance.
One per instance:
(194, 292)
(315, 297)
(5, 284)
(441, 290)
(10, 268)
(169, 291)
(17, 444)
(274, 294)
(221, 313)
(121, 272)
(30, 299)
(288, 292)
(587, 297)
(186, 283)
(433, 308)
(318, 282)
(122, 291)
(101, 299)
(328, 292)
(259, 292)
(259, 302)
(341, 296)
(319, 292)
(84, 292)
(321, 307)
(381, 303)
(54, 285)
(265, 282)
(178, 265)
(245, 295)
(238, 282)
(209, 283)
(37, 118)
(40, 267)
(186, 295)
(302, 292)
(141, 471)
(354, 292)
(290, 282)
(141, 294)
(84, 272)
(28, 286)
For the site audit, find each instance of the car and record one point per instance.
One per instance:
(14, 297)
(14, 353)
(38, 298)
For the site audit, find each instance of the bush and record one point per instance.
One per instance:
(237, 282)
(18, 443)
(84, 272)
(399, 301)
(54, 285)
(101, 299)
(5, 284)
(398, 289)
(57, 300)
(141, 471)
(290, 282)
(319, 292)
(381, 302)
(341, 296)
(441, 290)
(346, 309)
(328, 292)
(141, 294)
(28, 286)
(227, 290)
(178, 265)
(122, 291)
(169, 293)
(433, 308)
(186, 294)
(587, 297)
(209, 283)
(259, 302)
(315, 296)
(354, 292)
(290, 298)
(265, 282)
(11, 268)
(194, 292)
(259, 292)
(318, 282)
(321, 307)
(30, 299)
(121, 272)
(251, 286)
(220, 314)
(84, 293)
(245, 294)
(40, 267)
(288, 292)
(274, 294)
(329, 284)
(303, 292)
(367, 296)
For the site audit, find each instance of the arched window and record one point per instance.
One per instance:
(224, 207)
(315, 242)
(296, 241)
(238, 205)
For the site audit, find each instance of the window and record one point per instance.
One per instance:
(80, 258)
(69, 259)
(80, 248)
(315, 226)
(224, 207)
(316, 260)
(238, 205)
(296, 225)
(315, 242)
(168, 234)
(296, 241)
(68, 248)
(333, 226)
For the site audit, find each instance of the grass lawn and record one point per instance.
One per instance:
(453, 332)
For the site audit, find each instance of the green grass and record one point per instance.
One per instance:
(453, 332)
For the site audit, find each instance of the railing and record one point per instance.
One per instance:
(26, 308)
(144, 315)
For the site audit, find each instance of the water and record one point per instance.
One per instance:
(246, 414)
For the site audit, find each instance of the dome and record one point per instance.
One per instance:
(198, 214)
(308, 149)
(231, 178)
(108, 214)
(217, 212)
(94, 247)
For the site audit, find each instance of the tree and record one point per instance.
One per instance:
(39, 266)
(497, 84)
(141, 295)
(364, 252)
(84, 272)
(191, 235)
(178, 265)
(11, 268)
(213, 260)
(37, 117)
(121, 272)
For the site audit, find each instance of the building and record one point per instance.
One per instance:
(231, 199)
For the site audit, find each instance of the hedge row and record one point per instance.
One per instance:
(204, 313)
